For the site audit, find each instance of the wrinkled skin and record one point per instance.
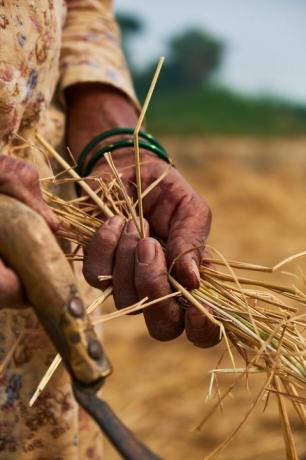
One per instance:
(174, 213)
(178, 216)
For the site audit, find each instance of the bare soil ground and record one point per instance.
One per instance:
(256, 189)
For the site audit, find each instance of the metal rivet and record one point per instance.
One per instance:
(74, 337)
(95, 349)
(76, 307)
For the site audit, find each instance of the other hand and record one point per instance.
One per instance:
(20, 180)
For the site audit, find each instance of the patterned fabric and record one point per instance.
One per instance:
(45, 42)
(45, 45)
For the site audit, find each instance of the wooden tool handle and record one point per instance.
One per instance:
(29, 247)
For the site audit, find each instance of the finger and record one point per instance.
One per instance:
(20, 180)
(189, 228)
(123, 276)
(165, 320)
(199, 329)
(11, 292)
(100, 253)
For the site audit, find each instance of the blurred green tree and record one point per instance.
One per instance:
(192, 57)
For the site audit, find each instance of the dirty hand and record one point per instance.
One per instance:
(174, 213)
(19, 180)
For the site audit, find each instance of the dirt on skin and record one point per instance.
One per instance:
(256, 189)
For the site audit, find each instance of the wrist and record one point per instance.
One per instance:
(112, 104)
(93, 108)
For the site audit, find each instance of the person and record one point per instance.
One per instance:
(63, 59)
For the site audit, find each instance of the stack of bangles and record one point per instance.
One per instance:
(146, 142)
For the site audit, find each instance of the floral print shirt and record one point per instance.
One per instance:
(45, 46)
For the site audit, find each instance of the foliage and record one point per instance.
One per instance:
(220, 111)
(192, 57)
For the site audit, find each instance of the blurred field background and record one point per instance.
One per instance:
(246, 154)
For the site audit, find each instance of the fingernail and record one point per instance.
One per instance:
(196, 319)
(115, 222)
(146, 251)
(131, 227)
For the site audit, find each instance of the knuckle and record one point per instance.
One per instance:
(105, 237)
(12, 171)
(28, 174)
(151, 284)
(156, 282)
(175, 246)
(204, 209)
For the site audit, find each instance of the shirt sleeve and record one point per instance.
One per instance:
(91, 50)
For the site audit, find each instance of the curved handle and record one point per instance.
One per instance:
(29, 247)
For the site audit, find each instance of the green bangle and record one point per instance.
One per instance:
(124, 144)
(114, 132)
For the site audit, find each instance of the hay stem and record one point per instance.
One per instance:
(136, 142)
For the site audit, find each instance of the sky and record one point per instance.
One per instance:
(265, 39)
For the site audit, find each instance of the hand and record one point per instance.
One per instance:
(174, 213)
(19, 180)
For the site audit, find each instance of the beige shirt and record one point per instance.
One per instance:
(45, 46)
(51, 44)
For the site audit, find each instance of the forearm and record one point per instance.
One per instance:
(93, 108)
